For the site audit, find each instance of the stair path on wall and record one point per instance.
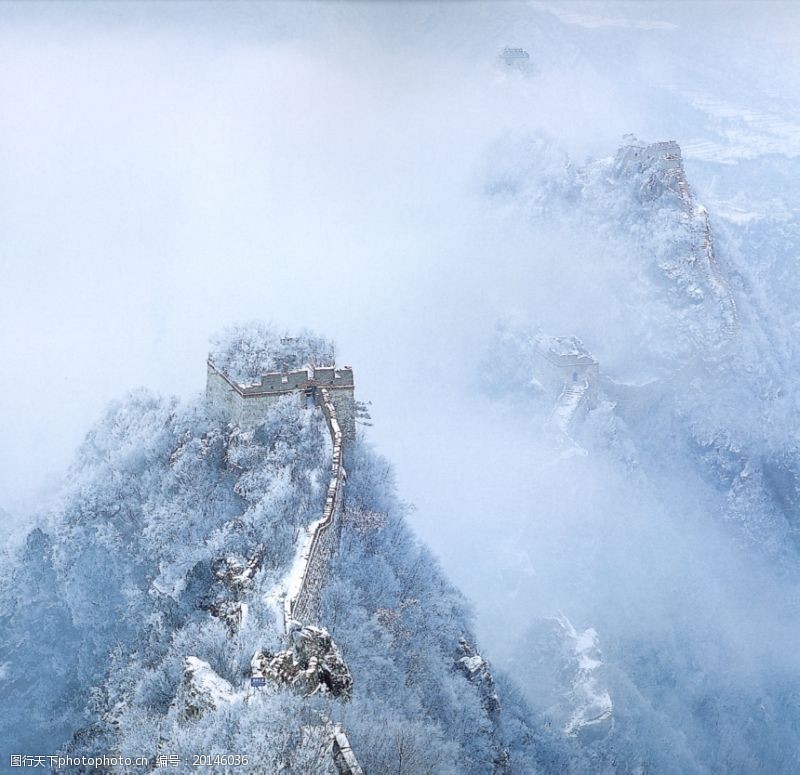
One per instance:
(304, 581)
(717, 280)
(684, 190)
(302, 585)
(567, 406)
(343, 757)
(714, 276)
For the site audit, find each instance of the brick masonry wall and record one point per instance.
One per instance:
(247, 405)
(343, 400)
(219, 393)
(325, 542)
(334, 393)
(337, 403)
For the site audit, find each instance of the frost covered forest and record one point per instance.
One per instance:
(106, 605)
(558, 244)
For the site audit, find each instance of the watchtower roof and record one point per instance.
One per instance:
(510, 54)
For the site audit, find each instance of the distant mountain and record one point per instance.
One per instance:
(682, 518)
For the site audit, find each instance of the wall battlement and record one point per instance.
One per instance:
(247, 404)
(665, 154)
(332, 390)
(515, 57)
(561, 361)
(663, 163)
(302, 604)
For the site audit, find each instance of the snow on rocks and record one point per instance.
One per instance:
(202, 690)
(478, 672)
(566, 666)
(237, 573)
(313, 664)
(591, 702)
(689, 258)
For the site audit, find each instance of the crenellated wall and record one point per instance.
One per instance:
(663, 160)
(663, 163)
(247, 405)
(333, 391)
(325, 541)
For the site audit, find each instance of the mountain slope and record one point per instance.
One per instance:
(674, 540)
(118, 617)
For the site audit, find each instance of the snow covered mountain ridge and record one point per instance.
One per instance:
(657, 169)
(160, 587)
(689, 481)
(299, 591)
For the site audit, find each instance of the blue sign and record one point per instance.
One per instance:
(258, 680)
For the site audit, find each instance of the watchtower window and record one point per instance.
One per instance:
(284, 379)
(574, 376)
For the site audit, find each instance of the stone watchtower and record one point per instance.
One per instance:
(660, 162)
(561, 361)
(516, 58)
(247, 404)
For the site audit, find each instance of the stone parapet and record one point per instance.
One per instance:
(246, 405)
(305, 607)
(343, 756)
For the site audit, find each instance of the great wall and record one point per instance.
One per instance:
(332, 390)
(697, 216)
(302, 603)
(246, 405)
(565, 369)
(562, 367)
(664, 158)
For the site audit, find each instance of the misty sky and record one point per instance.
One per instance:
(169, 169)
